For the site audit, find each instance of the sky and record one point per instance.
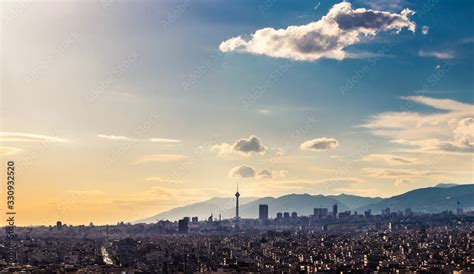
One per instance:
(118, 110)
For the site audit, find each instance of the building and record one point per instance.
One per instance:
(279, 215)
(195, 220)
(59, 225)
(263, 212)
(320, 213)
(334, 211)
(183, 225)
(386, 211)
(286, 215)
(294, 215)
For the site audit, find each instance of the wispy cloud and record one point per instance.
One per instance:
(437, 53)
(116, 138)
(164, 140)
(389, 159)
(28, 137)
(448, 131)
(342, 27)
(130, 139)
(7, 151)
(160, 158)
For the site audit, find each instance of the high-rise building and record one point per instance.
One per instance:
(195, 220)
(237, 195)
(334, 210)
(294, 215)
(286, 215)
(183, 225)
(59, 225)
(320, 213)
(263, 212)
(279, 215)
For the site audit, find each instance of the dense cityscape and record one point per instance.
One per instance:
(325, 241)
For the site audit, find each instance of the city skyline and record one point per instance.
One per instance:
(116, 110)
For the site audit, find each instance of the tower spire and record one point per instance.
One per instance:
(237, 195)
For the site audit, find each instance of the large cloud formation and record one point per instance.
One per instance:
(242, 146)
(320, 144)
(326, 38)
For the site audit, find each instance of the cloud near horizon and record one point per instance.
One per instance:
(320, 144)
(328, 37)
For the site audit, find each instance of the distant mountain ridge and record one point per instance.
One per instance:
(431, 199)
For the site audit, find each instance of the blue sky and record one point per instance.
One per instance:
(144, 103)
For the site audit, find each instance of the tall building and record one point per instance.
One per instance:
(334, 210)
(263, 212)
(183, 225)
(237, 195)
(279, 215)
(320, 213)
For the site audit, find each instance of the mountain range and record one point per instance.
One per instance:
(432, 199)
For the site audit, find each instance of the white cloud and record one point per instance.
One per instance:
(116, 138)
(164, 140)
(326, 38)
(28, 137)
(8, 151)
(160, 158)
(437, 54)
(464, 133)
(320, 144)
(242, 147)
(130, 139)
(389, 159)
(446, 131)
(425, 30)
(242, 172)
